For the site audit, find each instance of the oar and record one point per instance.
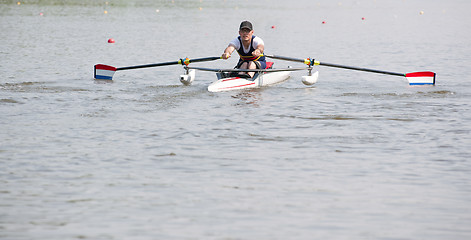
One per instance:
(106, 72)
(414, 78)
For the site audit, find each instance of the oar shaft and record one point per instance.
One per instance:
(148, 65)
(308, 62)
(360, 69)
(181, 61)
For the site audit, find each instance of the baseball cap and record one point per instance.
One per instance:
(246, 24)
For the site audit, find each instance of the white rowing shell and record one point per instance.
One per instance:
(237, 83)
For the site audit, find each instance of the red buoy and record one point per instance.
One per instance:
(111, 40)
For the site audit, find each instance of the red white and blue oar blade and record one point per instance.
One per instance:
(104, 72)
(421, 78)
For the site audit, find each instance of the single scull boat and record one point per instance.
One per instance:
(228, 81)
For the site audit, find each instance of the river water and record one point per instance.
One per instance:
(355, 156)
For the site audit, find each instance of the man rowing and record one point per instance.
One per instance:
(250, 49)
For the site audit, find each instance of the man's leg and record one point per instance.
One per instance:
(252, 65)
(245, 65)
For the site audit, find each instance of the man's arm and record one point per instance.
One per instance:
(228, 51)
(259, 51)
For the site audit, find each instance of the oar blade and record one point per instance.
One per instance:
(421, 78)
(104, 72)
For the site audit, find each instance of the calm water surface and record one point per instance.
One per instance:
(356, 156)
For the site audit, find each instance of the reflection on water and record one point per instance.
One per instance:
(250, 97)
(102, 81)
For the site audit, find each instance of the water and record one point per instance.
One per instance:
(356, 156)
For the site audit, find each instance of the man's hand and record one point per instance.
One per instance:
(257, 52)
(225, 55)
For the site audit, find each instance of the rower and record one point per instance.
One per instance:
(250, 49)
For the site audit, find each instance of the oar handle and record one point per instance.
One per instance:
(203, 59)
(185, 61)
(305, 61)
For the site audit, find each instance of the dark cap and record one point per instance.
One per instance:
(246, 24)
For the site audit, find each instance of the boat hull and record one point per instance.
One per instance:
(237, 83)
